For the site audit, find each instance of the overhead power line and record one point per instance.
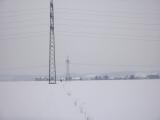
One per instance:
(73, 20)
(106, 37)
(104, 21)
(73, 13)
(82, 64)
(23, 15)
(27, 26)
(99, 37)
(26, 37)
(112, 65)
(109, 26)
(108, 34)
(23, 10)
(153, 12)
(80, 12)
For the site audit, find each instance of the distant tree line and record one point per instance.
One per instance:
(104, 77)
(126, 77)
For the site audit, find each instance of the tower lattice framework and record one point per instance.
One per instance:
(52, 60)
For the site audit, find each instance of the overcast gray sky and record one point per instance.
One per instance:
(97, 35)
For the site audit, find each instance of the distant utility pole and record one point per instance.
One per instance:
(52, 61)
(67, 69)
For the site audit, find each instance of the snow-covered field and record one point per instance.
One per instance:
(80, 100)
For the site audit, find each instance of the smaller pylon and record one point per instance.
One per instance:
(67, 69)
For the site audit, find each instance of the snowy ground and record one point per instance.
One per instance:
(77, 100)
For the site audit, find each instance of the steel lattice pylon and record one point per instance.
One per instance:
(67, 69)
(52, 61)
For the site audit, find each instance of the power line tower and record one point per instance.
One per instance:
(67, 69)
(52, 61)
